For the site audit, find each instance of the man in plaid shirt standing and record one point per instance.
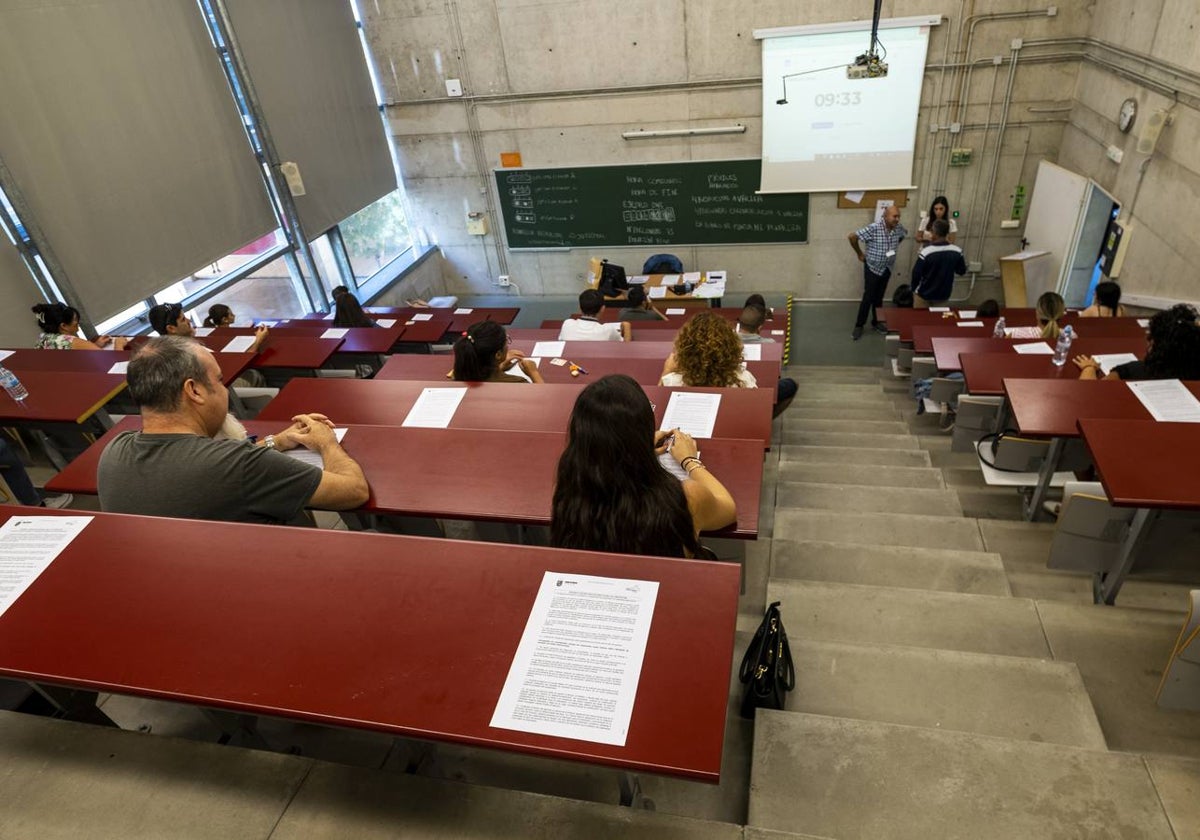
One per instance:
(882, 238)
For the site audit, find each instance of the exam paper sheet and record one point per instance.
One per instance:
(752, 352)
(515, 370)
(1108, 361)
(576, 670)
(4, 354)
(464, 310)
(549, 348)
(656, 292)
(435, 408)
(335, 332)
(240, 344)
(1167, 400)
(203, 331)
(119, 367)
(314, 458)
(386, 322)
(422, 317)
(966, 313)
(679, 310)
(693, 413)
(28, 544)
(970, 323)
(1038, 348)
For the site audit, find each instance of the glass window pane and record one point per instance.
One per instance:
(376, 235)
(235, 260)
(115, 321)
(265, 295)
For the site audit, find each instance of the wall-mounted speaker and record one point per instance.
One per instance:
(1148, 137)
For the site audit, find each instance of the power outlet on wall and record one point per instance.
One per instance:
(502, 280)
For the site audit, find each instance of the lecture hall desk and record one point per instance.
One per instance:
(654, 349)
(1087, 329)
(498, 406)
(84, 361)
(646, 372)
(365, 340)
(281, 352)
(947, 351)
(1156, 473)
(905, 320)
(1052, 408)
(459, 319)
(402, 635)
(480, 475)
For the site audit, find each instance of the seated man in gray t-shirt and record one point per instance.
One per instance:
(174, 467)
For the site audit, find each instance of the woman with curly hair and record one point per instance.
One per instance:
(611, 492)
(1173, 350)
(708, 354)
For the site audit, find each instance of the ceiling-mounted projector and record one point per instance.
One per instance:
(867, 66)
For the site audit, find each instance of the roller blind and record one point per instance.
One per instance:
(18, 291)
(119, 129)
(308, 70)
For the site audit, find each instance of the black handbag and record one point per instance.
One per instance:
(767, 671)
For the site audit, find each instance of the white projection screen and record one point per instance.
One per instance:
(835, 133)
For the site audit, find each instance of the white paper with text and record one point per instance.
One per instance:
(549, 348)
(240, 344)
(314, 458)
(693, 413)
(1038, 348)
(576, 670)
(435, 408)
(28, 544)
(1167, 400)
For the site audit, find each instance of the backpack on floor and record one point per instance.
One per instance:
(903, 296)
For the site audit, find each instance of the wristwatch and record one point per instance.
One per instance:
(269, 441)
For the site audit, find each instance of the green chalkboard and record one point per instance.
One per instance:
(697, 203)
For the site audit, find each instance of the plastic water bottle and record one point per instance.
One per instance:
(999, 331)
(1063, 348)
(12, 385)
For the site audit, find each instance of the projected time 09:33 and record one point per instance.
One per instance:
(832, 100)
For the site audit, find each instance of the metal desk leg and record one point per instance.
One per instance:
(75, 705)
(1045, 476)
(239, 729)
(631, 792)
(1110, 582)
(52, 453)
(1002, 415)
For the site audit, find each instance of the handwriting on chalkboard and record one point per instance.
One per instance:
(699, 202)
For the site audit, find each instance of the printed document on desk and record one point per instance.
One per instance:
(710, 290)
(28, 544)
(308, 456)
(1108, 361)
(435, 408)
(1167, 400)
(386, 322)
(4, 354)
(1038, 348)
(548, 348)
(335, 332)
(752, 352)
(203, 331)
(577, 667)
(693, 413)
(240, 344)
(970, 323)
(119, 367)
(657, 292)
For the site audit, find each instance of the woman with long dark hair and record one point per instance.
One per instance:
(348, 312)
(1173, 350)
(481, 354)
(939, 209)
(219, 315)
(613, 494)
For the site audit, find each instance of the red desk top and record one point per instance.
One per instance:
(645, 371)
(60, 396)
(403, 635)
(1053, 408)
(280, 351)
(232, 364)
(497, 406)
(985, 372)
(1143, 463)
(610, 314)
(478, 474)
(772, 351)
(947, 351)
(1086, 329)
(372, 340)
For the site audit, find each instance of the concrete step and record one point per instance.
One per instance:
(1005, 696)
(924, 478)
(944, 570)
(858, 779)
(877, 529)
(837, 389)
(842, 612)
(800, 454)
(836, 375)
(945, 459)
(840, 497)
(823, 411)
(804, 437)
(845, 401)
(875, 427)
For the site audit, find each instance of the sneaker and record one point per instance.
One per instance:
(1052, 508)
(58, 501)
(857, 334)
(880, 327)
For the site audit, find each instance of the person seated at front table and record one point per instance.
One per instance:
(587, 327)
(169, 319)
(761, 302)
(707, 354)
(640, 308)
(1050, 308)
(348, 312)
(219, 315)
(59, 324)
(1173, 350)
(990, 308)
(175, 467)
(481, 354)
(1107, 302)
(612, 493)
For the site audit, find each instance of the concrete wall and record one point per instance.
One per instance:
(695, 63)
(1162, 252)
